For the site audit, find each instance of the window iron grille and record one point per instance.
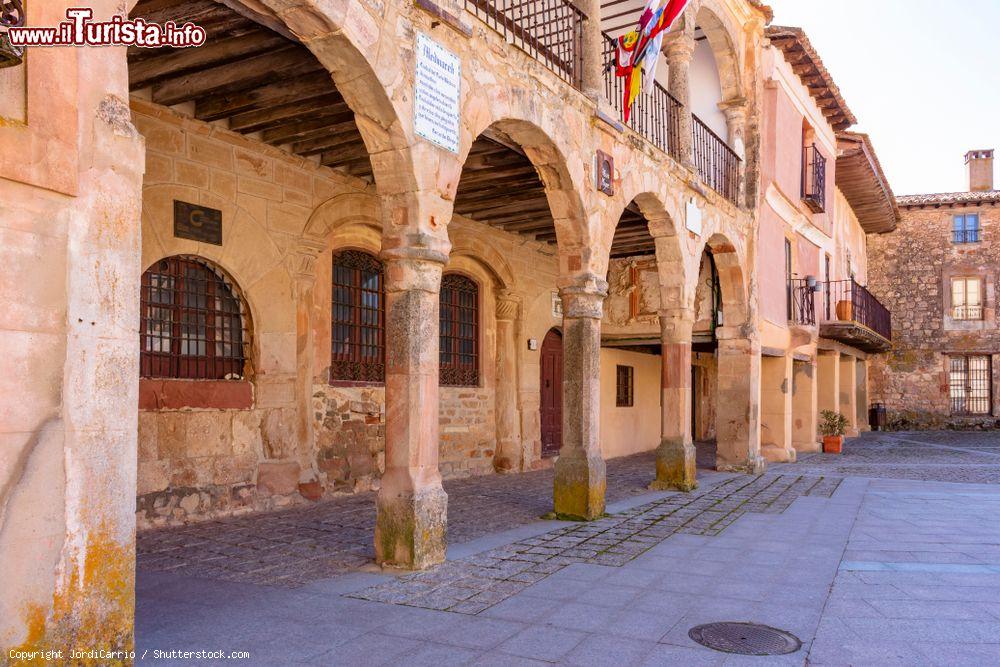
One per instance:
(191, 323)
(966, 228)
(357, 318)
(967, 312)
(970, 385)
(814, 179)
(625, 387)
(459, 327)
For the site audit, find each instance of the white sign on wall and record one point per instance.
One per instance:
(436, 93)
(693, 217)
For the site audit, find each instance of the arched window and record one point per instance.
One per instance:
(192, 323)
(358, 318)
(459, 331)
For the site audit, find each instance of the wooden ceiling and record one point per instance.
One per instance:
(500, 187)
(257, 79)
(860, 178)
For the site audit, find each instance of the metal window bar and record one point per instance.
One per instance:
(970, 385)
(459, 327)
(717, 163)
(625, 387)
(803, 302)
(550, 31)
(357, 352)
(814, 179)
(191, 323)
(847, 301)
(655, 117)
(967, 312)
(966, 229)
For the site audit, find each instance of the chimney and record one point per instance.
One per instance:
(980, 164)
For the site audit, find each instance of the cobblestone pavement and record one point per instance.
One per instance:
(310, 542)
(945, 456)
(474, 584)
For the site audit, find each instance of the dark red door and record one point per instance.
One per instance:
(551, 385)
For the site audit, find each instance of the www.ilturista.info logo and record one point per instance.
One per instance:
(79, 30)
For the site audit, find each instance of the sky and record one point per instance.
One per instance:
(921, 76)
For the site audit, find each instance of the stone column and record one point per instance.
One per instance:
(776, 409)
(736, 119)
(738, 408)
(592, 76)
(861, 378)
(508, 420)
(580, 480)
(675, 457)
(680, 50)
(828, 381)
(848, 393)
(804, 406)
(303, 270)
(411, 517)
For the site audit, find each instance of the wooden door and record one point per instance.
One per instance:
(551, 387)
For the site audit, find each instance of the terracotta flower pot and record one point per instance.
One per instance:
(844, 309)
(833, 444)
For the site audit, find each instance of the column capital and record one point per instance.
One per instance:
(735, 108)
(417, 246)
(680, 48)
(584, 297)
(676, 325)
(508, 306)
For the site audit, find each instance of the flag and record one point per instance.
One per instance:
(638, 51)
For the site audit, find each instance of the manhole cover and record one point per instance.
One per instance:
(745, 638)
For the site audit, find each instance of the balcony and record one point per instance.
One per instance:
(852, 315)
(801, 298)
(550, 31)
(970, 312)
(814, 179)
(656, 116)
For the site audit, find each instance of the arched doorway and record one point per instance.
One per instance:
(550, 384)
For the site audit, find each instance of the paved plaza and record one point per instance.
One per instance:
(871, 558)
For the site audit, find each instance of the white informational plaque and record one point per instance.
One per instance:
(436, 94)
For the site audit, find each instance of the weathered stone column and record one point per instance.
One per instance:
(680, 50)
(411, 518)
(592, 76)
(776, 408)
(303, 270)
(848, 393)
(738, 409)
(861, 379)
(508, 420)
(579, 471)
(675, 457)
(828, 379)
(736, 119)
(804, 406)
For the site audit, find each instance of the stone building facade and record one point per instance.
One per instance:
(243, 278)
(941, 268)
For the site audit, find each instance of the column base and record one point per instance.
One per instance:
(776, 454)
(756, 465)
(675, 467)
(411, 528)
(507, 459)
(580, 483)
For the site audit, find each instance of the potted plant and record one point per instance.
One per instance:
(833, 427)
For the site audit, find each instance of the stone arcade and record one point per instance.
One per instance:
(370, 311)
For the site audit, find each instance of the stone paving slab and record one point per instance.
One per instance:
(472, 585)
(312, 542)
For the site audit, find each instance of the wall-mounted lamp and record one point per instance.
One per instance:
(532, 344)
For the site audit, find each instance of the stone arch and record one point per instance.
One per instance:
(732, 280)
(484, 255)
(722, 39)
(576, 241)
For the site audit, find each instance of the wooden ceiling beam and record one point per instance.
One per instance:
(281, 92)
(264, 119)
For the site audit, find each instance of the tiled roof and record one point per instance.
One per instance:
(949, 199)
(860, 177)
(808, 66)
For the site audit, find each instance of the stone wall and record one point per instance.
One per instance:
(910, 271)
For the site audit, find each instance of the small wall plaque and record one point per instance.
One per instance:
(604, 173)
(198, 223)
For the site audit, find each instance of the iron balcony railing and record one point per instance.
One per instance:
(551, 31)
(814, 179)
(847, 301)
(801, 301)
(717, 163)
(656, 116)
